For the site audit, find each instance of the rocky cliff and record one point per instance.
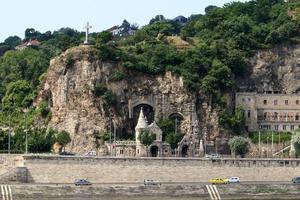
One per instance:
(276, 70)
(69, 88)
(70, 84)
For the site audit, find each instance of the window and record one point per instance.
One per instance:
(297, 117)
(243, 99)
(286, 102)
(260, 126)
(265, 115)
(249, 113)
(121, 151)
(284, 127)
(275, 116)
(292, 127)
(297, 102)
(275, 102)
(249, 99)
(266, 126)
(265, 102)
(276, 127)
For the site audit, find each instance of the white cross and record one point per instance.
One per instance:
(87, 27)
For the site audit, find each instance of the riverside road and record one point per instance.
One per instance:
(165, 191)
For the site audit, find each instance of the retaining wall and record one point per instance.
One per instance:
(51, 169)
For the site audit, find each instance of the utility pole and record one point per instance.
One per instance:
(175, 125)
(258, 143)
(115, 134)
(9, 134)
(279, 144)
(110, 133)
(272, 143)
(267, 146)
(26, 132)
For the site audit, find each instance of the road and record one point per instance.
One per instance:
(163, 183)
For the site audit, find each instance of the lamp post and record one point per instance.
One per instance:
(26, 130)
(9, 132)
(110, 132)
(267, 146)
(205, 134)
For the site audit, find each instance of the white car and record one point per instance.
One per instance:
(212, 156)
(90, 153)
(233, 180)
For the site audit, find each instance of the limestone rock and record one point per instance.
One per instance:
(69, 88)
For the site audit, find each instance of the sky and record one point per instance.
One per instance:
(44, 15)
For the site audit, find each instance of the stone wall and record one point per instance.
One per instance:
(50, 169)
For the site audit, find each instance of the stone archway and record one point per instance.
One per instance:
(177, 118)
(184, 150)
(154, 151)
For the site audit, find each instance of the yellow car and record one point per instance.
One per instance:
(218, 181)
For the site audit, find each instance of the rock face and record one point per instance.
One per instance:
(69, 90)
(70, 83)
(275, 70)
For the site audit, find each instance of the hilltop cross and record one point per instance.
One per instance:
(87, 27)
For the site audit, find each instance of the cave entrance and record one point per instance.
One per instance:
(154, 151)
(147, 110)
(184, 150)
(177, 118)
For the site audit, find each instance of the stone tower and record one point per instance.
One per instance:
(140, 126)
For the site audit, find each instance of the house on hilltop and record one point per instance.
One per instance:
(30, 43)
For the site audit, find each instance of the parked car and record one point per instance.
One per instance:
(151, 182)
(214, 155)
(296, 179)
(218, 181)
(90, 153)
(65, 153)
(78, 182)
(233, 180)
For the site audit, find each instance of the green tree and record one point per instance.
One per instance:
(296, 141)
(39, 140)
(239, 145)
(235, 121)
(13, 41)
(146, 138)
(63, 138)
(18, 94)
(104, 37)
(167, 126)
(173, 139)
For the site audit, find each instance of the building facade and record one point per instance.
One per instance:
(269, 111)
(135, 148)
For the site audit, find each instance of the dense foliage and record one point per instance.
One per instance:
(147, 138)
(239, 145)
(171, 136)
(266, 137)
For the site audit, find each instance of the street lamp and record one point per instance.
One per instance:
(26, 130)
(9, 132)
(205, 134)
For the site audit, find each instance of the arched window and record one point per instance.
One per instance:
(265, 115)
(297, 117)
(275, 115)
